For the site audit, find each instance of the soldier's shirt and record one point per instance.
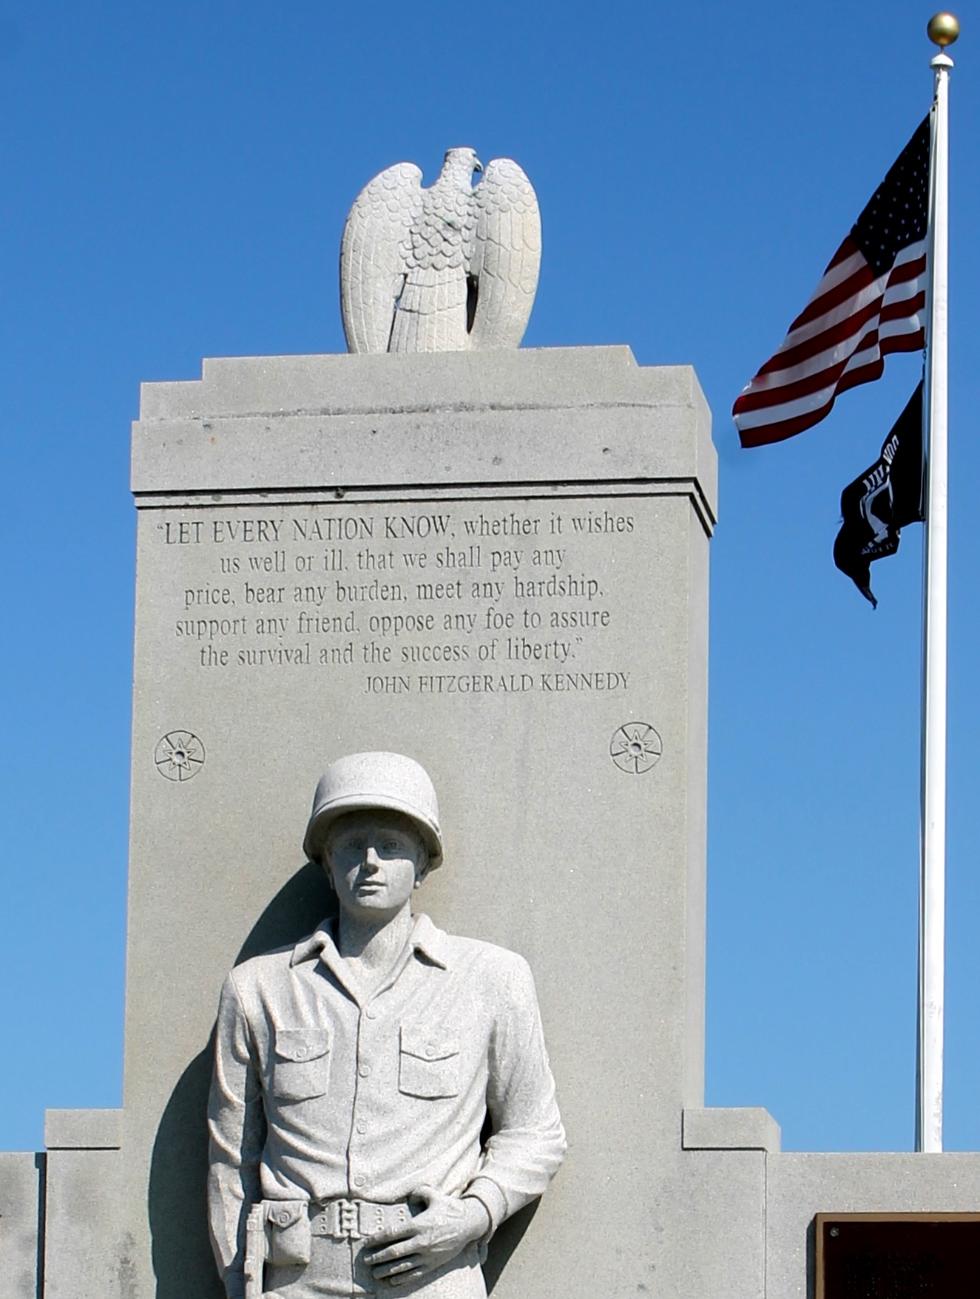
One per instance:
(322, 1092)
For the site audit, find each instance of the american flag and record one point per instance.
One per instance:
(870, 302)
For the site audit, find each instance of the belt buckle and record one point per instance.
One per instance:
(347, 1220)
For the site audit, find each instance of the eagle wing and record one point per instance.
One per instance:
(506, 255)
(374, 253)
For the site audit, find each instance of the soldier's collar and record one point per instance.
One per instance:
(431, 941)
(308, 948)
(426, 938)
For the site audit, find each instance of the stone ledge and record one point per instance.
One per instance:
(730, 1129)
(562, 415)
(527, 379)
(82, 1129)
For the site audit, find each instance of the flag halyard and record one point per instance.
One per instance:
(870, 302)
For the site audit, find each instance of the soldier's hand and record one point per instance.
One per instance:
(434, 1237)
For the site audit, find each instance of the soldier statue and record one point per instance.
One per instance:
(355, 1072)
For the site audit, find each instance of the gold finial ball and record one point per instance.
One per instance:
(943, 29)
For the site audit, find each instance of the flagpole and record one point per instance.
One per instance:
(943, 30)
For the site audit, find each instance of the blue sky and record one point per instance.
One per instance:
(175, 180)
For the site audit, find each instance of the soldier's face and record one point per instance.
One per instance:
(373, 859)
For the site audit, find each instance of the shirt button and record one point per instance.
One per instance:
(300, 1052)
(430, 1051)
(360, 1129)
(365, 1071)
(371, 1013)
(359, 1180)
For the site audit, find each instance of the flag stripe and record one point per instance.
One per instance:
(822, 331)
(837, 285)
(843, 263)
(895, 340)
(779, 423)
(813, 372)
(893, 314)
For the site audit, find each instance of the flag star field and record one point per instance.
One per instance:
(897, 213)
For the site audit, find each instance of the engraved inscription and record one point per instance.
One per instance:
(497, 597)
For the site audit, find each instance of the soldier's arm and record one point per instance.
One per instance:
(236, 1127)
(527, 1143)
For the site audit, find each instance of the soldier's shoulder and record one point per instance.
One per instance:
(266, 967)
(479, 951)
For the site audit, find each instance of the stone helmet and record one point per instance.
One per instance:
(375, 780)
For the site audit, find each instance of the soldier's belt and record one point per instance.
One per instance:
(290, 1226)
(356, 1219)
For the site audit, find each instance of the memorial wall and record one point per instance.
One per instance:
(496, 564)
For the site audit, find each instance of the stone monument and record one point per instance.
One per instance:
(495, 561)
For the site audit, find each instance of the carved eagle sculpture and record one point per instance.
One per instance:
(450, 268)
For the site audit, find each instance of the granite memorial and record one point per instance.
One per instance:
(494, 560)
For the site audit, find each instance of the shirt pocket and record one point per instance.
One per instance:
(301, 1062)
(428, 1064)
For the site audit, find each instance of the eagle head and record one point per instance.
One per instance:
(461, 164)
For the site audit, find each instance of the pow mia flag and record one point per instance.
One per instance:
(882, 500)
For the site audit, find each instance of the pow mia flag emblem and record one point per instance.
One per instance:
(878, 504)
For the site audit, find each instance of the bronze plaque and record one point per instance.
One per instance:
(898, 1256)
